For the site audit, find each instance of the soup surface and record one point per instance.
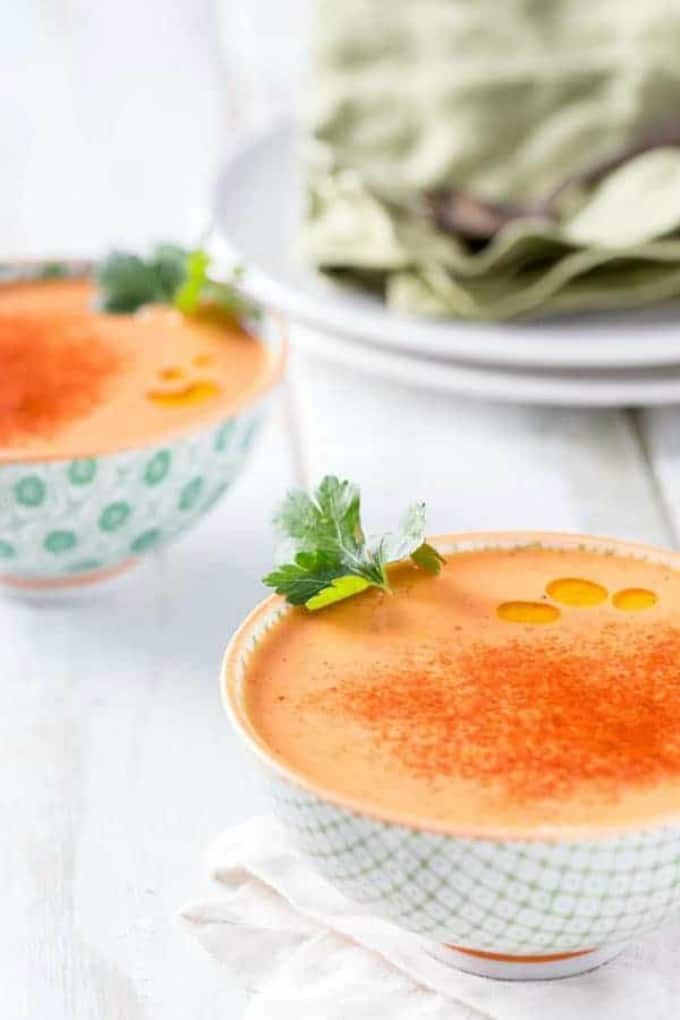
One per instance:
(74, 381)
(523, 688)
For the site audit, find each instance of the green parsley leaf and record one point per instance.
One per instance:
(401, 544)
(188, 296)
(169, 262)
(199, 291)
(340, 588)
(126, 282)
(171, 275)
(330, 557)
(428, 558)
(308, 574)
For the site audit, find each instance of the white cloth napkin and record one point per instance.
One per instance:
(308, 953)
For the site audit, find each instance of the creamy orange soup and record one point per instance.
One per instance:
(520, 688)
(74, 381)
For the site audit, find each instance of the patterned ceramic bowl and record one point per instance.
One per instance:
(73, 521)
(500, 907)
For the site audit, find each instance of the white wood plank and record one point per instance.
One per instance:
(478, 465)
(116, 765)
(117, 768)
(660, 430)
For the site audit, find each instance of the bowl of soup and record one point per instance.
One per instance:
(118, 432)
(490, 757)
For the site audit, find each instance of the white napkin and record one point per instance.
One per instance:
(308, 953)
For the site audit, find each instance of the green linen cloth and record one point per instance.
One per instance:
(504, 100)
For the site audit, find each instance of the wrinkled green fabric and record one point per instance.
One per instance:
(505, 100)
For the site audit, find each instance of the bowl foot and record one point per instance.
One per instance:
(535, 967)
(39, 589)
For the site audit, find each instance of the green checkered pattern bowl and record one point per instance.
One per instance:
(68, 522)
(502, 907)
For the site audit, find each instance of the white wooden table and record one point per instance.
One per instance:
(116, 765)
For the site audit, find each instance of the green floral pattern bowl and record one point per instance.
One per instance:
(68, 522)
(513, 908)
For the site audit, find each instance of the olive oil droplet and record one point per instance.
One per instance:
(202, 360)
(194, 393)
(635, 599)
(171, 373)
(528, 612)
(576, 591)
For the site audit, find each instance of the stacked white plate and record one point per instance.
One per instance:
(627, 359)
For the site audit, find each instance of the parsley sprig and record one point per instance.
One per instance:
(331, 559)
(171, 275)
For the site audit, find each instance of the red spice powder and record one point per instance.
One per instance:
(52, 371)
(539, 717)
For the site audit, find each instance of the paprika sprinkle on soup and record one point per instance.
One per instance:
(428, 704)
(541, 718)
(52, 372)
